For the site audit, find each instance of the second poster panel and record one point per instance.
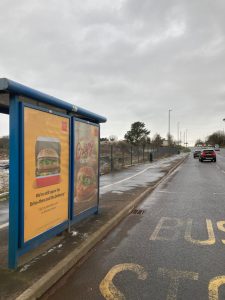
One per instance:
(86, 166)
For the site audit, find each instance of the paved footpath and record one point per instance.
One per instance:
(120, 192)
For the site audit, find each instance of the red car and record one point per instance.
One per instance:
(207, 154)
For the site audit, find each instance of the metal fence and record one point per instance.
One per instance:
(116, 156)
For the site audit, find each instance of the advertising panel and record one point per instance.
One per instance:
(86, 166)
(46, 171)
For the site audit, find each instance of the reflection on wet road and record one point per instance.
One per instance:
(136, 176)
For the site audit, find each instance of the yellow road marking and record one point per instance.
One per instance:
(214, 285)
(109, 290)
(175, 276)
(172, 228)
(211, 240)
(221, 227)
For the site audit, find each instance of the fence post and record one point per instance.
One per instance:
(138, 153)
(143, 153)
(131, 156)
(111, 157)
(123, 157)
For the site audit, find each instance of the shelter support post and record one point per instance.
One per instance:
(13, 182)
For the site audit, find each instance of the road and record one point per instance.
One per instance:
(116, 182)
(119, 181)
(173, 250)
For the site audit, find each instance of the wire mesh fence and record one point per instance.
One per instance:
(113, 156)
(116, 156)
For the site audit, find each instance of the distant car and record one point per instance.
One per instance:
(207, 154)
(196, 153)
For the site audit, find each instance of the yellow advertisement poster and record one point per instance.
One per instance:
(86, 166)
(46, 171)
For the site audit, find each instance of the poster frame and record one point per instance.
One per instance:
(93, 210)
(37, 240)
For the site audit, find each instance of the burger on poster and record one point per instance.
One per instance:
(86, 184)
(47, 165)
(48, 162)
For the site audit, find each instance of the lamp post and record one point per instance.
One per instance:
(178, 133)
(186, 138)
(169, 126)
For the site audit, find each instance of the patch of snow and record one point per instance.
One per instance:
(25, 267)
(74, 233)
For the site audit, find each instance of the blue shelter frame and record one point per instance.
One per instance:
(13, 98)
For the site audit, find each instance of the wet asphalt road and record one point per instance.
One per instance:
(174, 250)
(110, 182)
(116, 182)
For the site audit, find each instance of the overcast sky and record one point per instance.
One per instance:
(128, 60)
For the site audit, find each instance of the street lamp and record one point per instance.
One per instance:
(186, 138)
(169, 125)
(178, 133)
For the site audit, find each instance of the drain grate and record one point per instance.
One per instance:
(137, 212)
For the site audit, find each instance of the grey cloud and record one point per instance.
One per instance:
(128, 60)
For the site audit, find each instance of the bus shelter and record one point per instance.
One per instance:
(54, 165)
